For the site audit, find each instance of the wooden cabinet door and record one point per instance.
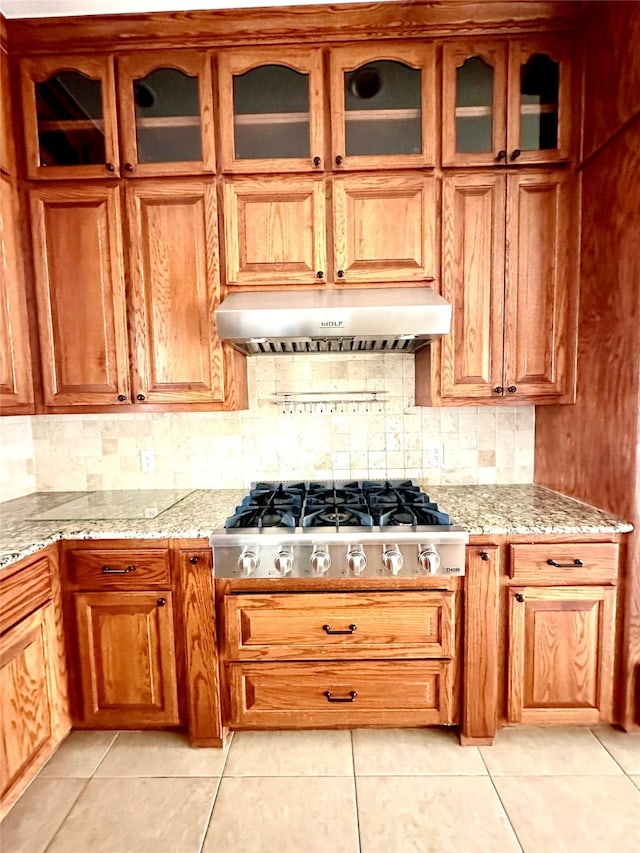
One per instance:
(473, 251)
(16, 385)
(80, 293)
(540, 300)
(272, 110)
(474, 85)
(69, 109)
(275, 230)
(383, 105)
(166, 113)
(384, 228)
(25, 694)
(126, 652)
(175, 286)
(561, 654)
(540, 110)
(7, 145)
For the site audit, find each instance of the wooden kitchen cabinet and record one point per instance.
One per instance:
(509, 257)
(16, 382)
(34, 707)
(507, 102)
(165, 103)
(383, 105)
(7, 142)
(561, 624)
(272, 110)
(80, 290)
(126, 653)
(69, 112)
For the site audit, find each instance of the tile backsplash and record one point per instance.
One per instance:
(17, 466)
(272, 439)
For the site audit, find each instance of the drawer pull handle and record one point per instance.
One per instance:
(109, 570)
(350, 630)
(350, 698)
(575, 564)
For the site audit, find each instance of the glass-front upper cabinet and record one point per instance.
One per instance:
(506, 103)
(166, 113)
(271, 108)
(383, 106)
(70, 117)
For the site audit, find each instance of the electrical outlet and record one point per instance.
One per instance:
(147, 461)
(432, 455)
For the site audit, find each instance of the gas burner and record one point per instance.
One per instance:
(337, 516)
(260, 517)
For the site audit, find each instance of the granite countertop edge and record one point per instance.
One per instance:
(481, 510)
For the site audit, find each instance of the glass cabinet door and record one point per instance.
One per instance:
(271, 104)
(383, 106)
(70, 117)
(166, 113)
(473, 104)
(540, 116)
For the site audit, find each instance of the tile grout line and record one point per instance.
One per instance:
(608, 751)
(104, 755)
(215, 796)
(504, 808)
(355, 791)
(64, 819)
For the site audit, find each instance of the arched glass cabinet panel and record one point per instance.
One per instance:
(271, 113)
(539, 93)
(474, 105)
(70, 117)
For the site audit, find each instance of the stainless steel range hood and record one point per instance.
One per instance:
(357, 320)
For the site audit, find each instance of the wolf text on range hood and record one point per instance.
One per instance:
(359, 320)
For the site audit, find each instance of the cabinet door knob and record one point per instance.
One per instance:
(140, 397)
(339, 160)
(515, 153)
(128, 167)
(512, 389)
(519, 597)
(109, 167)
(340, 273)
(316, 161)
(501, 155)
(161, 602)
(121, 398)
(319, 274)
(498, 389)
(484, 556)
(194, 560)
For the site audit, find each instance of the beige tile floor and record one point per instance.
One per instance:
(393, 791)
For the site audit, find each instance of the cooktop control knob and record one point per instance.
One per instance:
(428, 559)
(248, 562)
(356, 560)
(284, 561)
(320, 560)
(392, 560)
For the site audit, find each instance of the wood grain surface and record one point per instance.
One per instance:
(23, 591)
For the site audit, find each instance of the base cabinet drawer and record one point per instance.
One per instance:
(96, 568)
(582, 562)
(416, 624)
(304, 695)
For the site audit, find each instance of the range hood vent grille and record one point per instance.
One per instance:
(291, 346)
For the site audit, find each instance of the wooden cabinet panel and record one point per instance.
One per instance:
(23, 591)
(384, 228)
(175, 287)
(304, 695)
(473, 254)
(582, 562)
(165, 103)
(539, 290)
(560, 654)
(275, 230)
(80, 290)
(126, 650)
(25, 699)
(98, 568)
(7, 144)
(70, 130)
(16, 384)
(340, 625)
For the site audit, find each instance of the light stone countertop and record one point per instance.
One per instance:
(500, 509)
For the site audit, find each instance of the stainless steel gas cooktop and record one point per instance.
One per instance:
(339, 529)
